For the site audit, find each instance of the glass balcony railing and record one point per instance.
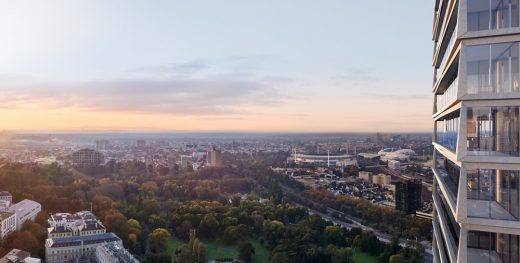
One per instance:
(447, 133)
(448, 172)
(494, 194)
(448, 96)
(447, 51)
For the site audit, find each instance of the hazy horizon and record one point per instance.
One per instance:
(206, 66)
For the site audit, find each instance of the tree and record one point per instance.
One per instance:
(116, 222)
(245, 251)
(334, 235)
(208, 226)
(158, 239)
(202, 253)
(398, 258)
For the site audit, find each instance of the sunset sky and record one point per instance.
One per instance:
(269, 65)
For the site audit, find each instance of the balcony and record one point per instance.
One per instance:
(448, 97)
(482, 255)
(488, 209)
(493, 194)
(448, 140)
(491, 131)
(447, 51)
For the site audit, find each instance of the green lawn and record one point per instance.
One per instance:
(216, 250)
(361, 257)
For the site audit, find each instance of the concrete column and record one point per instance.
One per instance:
(462, 196)
(462, 255)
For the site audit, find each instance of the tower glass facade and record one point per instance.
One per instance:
(476, 111)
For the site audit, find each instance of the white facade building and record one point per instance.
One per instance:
(25, 210)
(7, 224)
(113, 252)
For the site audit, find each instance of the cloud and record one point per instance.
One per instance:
(176, 69)
(181, 93)
(357, 76)
(386, 96)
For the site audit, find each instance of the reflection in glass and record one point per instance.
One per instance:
(493, 131)
(493, 69)
(493, 247)
(447, 132)
(449, 173)
(492, 14)
(493, 194)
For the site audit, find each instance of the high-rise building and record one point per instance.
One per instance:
(476, 91)
(408, 196)
(214, 157)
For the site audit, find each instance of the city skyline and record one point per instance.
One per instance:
(207, 66)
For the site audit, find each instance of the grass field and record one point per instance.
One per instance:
(361, 257)
(216, 250)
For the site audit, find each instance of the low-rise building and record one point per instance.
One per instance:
(79, 224)
(87, 157)
(367, 176)
(7, 224)
(113, 252)
(6, 196)
(382, 179)
(394, 165)
(65, 249)
(19, 256)
(25, 210)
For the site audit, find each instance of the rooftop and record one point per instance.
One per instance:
(15, 256)
(5, 215)
(117, 252)
(78, 240)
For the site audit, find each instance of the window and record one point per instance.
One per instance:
(493, 69)
(493, 131)
(493, 194)
(492, 14)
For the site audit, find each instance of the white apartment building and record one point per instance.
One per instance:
(25, 210)
(113, 252)
(7, 224)
(83, 223)
(65, 249)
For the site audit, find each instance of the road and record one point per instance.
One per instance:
(428, 255)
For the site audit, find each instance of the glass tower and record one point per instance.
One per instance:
(476, 94)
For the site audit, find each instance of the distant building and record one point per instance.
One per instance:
(6, 196)
(101, 145)
(367, 176)
(408, 196)
(7, 224)
(403, 155)
(394, 165)
(87, 157)
(4, 205)
(19, 256)
(25, 210)
(141, 143)
(184, 161)
(214, 157)
(382, 179)
(113, 252)
(325, 160)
